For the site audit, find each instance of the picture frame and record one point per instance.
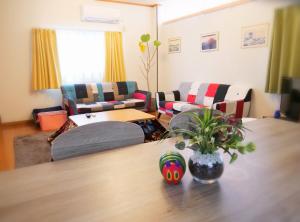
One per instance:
(174, 45)
(209, 42)
(255, 36)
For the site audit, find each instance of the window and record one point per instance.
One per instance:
(81, 56)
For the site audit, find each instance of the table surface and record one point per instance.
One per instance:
(123, 115)
(125, 185)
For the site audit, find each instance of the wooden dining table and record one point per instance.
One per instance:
(126, 185)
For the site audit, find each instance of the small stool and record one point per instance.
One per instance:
(53, 120)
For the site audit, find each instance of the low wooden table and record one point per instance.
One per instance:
(126, 185)
(123, 115)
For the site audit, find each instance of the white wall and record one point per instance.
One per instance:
(18, 17)
(172, 9)
(230, 64)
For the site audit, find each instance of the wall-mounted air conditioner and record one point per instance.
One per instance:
(95, 13)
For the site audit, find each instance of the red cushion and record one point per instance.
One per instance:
(212, 89)
(139, 96)
(191, 98)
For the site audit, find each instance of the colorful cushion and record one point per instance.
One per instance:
(221, 93)
(191, 98)
(236, 93)
(201, 93)
(210, 94)
(186, 107)
(92, 92)
(110, 105)
(184, 90)
(169, 96)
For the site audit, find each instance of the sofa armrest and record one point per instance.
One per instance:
(70, 106)
(166, 96)
(144, 95)
(239, 108)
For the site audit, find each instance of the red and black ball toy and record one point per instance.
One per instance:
(172, 167)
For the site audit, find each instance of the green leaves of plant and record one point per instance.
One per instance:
(242, 149)
(157, 43)
(234, 156)
(145, 38)
(207, 132)
(180, 145)
(250, 147)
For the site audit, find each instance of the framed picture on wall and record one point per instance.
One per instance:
(210, 42)
(174, 45)
(255, 36)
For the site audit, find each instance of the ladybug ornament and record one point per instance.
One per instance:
(172, 167)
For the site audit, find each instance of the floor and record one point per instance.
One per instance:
(9, 132)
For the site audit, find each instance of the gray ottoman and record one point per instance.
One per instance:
(96, 137)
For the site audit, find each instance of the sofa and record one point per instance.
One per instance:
(97, 97)
(229, 99)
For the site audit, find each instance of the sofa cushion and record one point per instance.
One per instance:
(166, 104)
(236, 93)
(184, 89)
(178, 106)
(110, 105)
(221, 93)
(184, 107)
(169, 96)
(86, 93)
(210, 94)
(201, 93)
(193, 92)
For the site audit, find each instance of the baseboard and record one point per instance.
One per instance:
(16, 123)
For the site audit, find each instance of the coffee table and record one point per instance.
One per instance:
(123, 115)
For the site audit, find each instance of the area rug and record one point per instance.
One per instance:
(35, 149)
(31, 150)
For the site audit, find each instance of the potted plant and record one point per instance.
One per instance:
(148, 50)
(206, 133)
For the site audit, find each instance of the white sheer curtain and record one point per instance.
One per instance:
(81, 56)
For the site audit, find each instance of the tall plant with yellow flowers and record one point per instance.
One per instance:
(148, 50)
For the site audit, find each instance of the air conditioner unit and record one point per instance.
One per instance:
(95, 13)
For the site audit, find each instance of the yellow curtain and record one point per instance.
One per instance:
(45, 65)
(114, 65)
(285, 48)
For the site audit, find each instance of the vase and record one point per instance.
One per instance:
(206, 168)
